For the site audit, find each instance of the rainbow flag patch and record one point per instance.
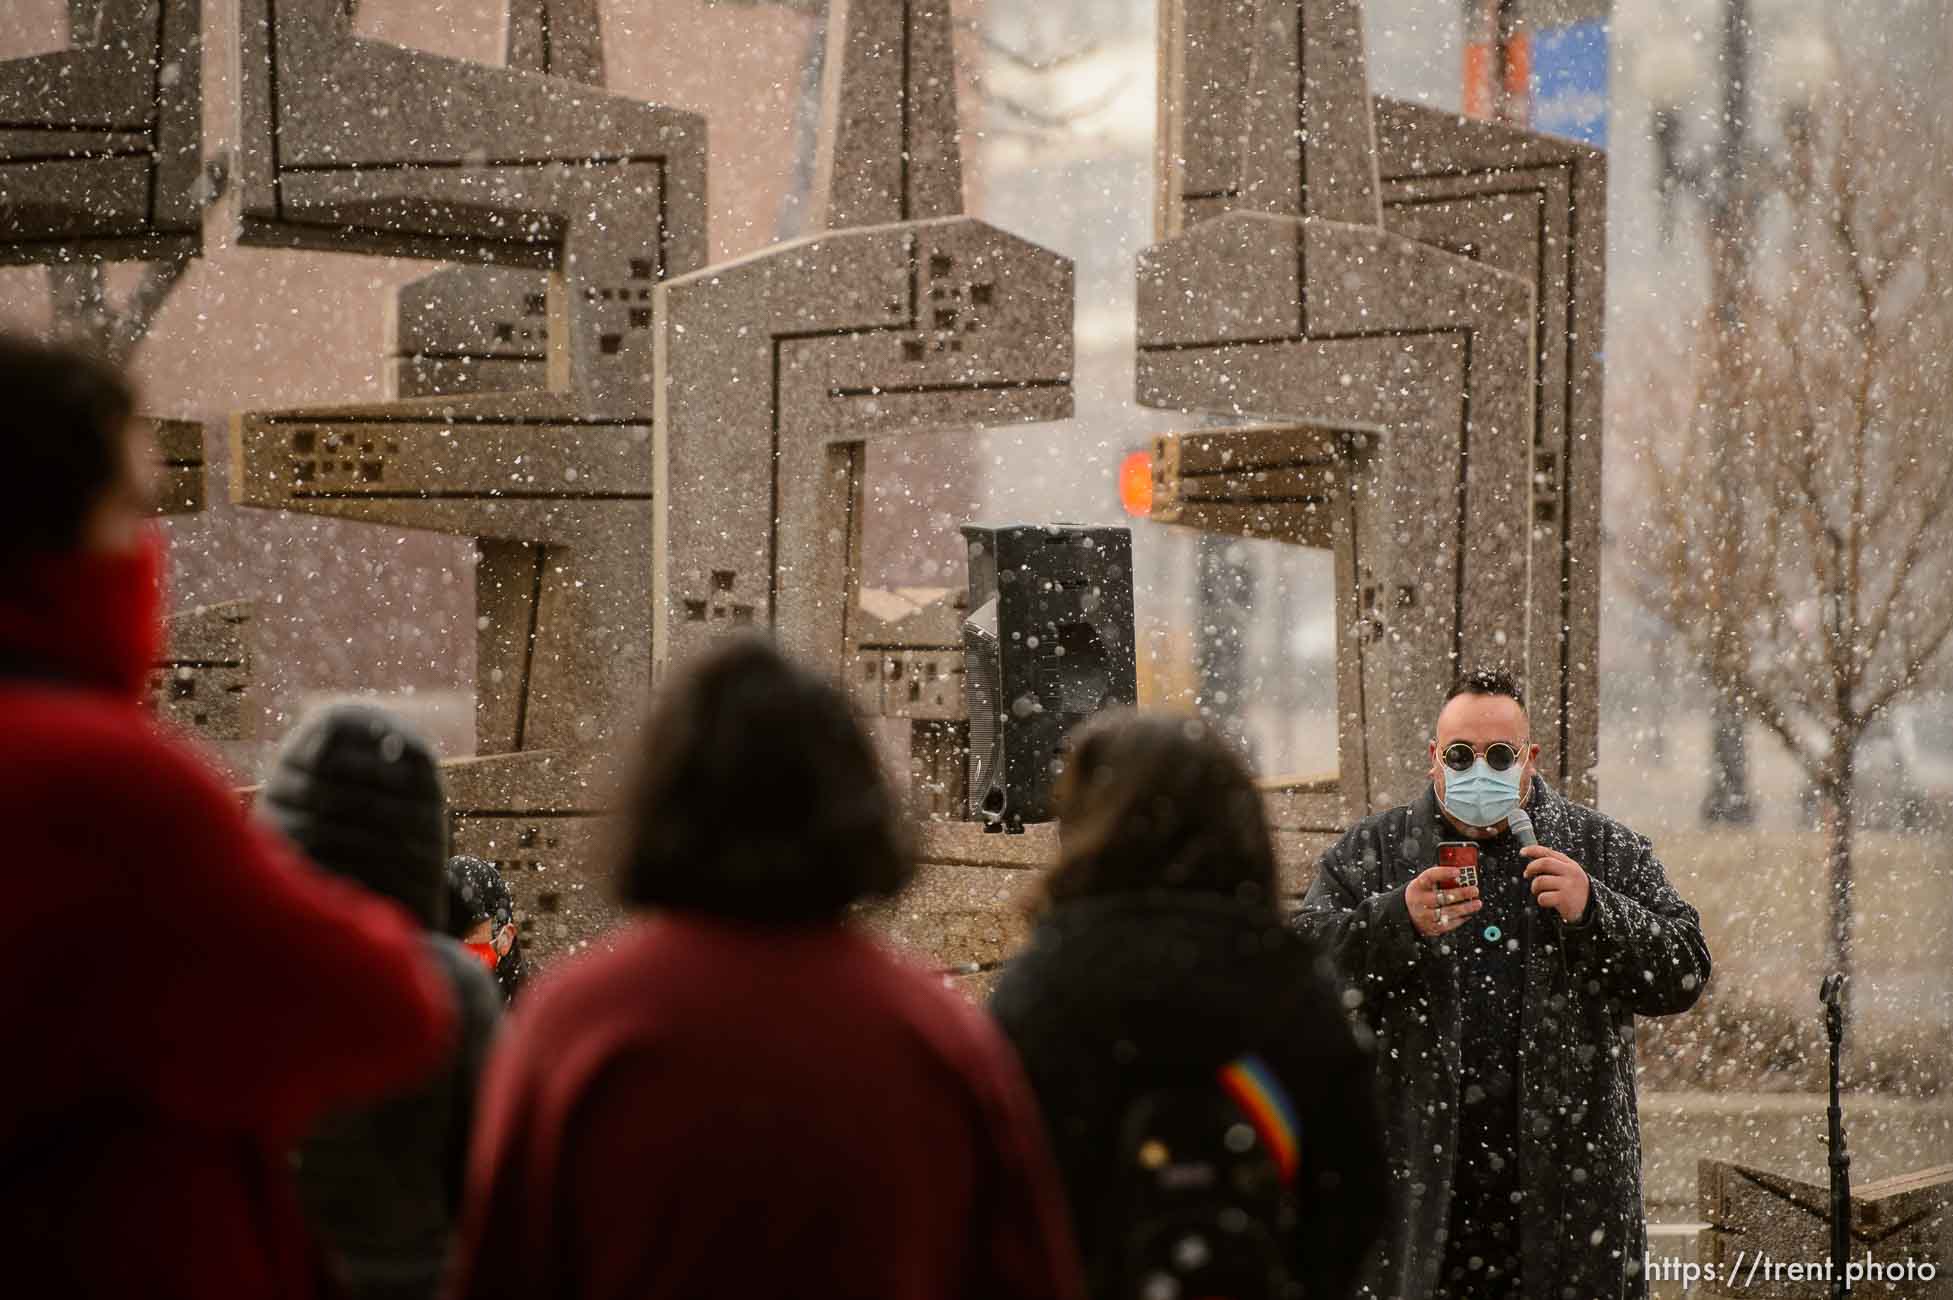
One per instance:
(1261, 1097)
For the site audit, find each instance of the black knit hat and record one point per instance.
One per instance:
(358, 790)
(477, 893)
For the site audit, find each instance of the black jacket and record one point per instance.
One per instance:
(360, 793)
(1116, 994)
(1640, 951)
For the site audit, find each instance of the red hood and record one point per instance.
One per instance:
(89, 617)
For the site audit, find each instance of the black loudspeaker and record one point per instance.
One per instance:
(1047, 643)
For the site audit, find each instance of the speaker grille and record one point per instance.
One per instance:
(1048, 642)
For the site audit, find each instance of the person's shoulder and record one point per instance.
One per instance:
(585, 980)
(62, 722)
(590, 1002)
(1019, 992)
(939, 1015)
(1591, 823)
(1380, 829)
(476, 995)
(106, 746)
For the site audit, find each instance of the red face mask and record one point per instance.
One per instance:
(485, 954)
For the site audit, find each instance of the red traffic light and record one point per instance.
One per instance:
(1136, 483)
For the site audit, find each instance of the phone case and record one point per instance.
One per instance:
(1468, 867)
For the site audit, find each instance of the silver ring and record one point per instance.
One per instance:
(1440, 914)
(1444, 899)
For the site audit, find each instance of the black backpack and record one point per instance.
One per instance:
(1205, 1207)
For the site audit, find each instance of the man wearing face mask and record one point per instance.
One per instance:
(1504, 1012)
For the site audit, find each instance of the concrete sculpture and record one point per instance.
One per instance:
(485, 329)
(516, 169)
(101, 144)
(1416, 300)
(337, 151)
(777, 371)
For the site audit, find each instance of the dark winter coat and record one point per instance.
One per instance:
(720, 1111)
(1120, 995)
(383, 1183)
(182, 997)
(1640, 951)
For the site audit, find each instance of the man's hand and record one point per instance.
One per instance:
(1558, 882)
(1438, 904)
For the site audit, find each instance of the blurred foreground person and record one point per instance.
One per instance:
(1207, 1100)
(744, 1096)
(359, 791)
(1504, 1011)
(481, 915)
(181, 997)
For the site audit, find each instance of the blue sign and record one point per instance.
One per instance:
(1569, 81)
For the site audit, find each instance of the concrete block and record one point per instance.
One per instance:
(482, 329)
(1769, 1234)
(180, 444)
(101, 144)
(201, 684)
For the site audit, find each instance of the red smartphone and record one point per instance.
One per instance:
(1463, 855)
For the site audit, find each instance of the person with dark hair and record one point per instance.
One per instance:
(1500, 939)
(359, 792)
(1209, 1105)
(481, 916)
(740, 1094)
(87, 468)
(182, 995)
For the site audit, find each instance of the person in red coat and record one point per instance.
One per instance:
(742, 1095)
(180, 996)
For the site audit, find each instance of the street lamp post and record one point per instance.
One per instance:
(1731, 207)
(1728, 190)
(1668, 73)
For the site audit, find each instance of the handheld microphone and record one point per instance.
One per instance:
(1521, 827)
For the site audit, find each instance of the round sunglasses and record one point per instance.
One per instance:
(1499, 755)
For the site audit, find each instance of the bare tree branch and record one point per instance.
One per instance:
(1821, 547)
(79, 290)
(135, 318)
(1034, 63)
(1061, 120)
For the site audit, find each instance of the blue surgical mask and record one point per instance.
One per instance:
(1481, 797)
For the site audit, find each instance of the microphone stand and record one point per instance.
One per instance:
(1830, 993)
